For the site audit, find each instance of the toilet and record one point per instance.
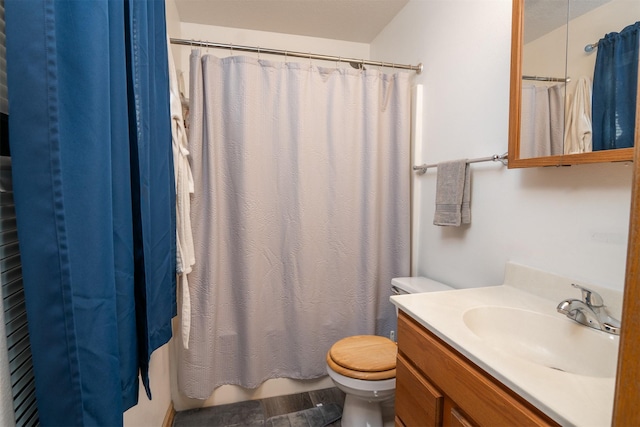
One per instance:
(364, 366)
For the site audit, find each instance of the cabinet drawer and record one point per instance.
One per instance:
(478, 394)
(418, 403)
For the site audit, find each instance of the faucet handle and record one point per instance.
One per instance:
(590, 297)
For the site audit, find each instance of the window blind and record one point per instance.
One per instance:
(14, 313)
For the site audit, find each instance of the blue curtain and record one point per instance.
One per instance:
(615, 82)
(91, 150)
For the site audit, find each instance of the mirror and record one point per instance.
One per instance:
(558, 114)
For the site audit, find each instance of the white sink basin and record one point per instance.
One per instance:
(551, 341)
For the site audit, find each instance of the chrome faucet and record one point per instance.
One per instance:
(589, 311)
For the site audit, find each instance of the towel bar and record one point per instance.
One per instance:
(503, 158)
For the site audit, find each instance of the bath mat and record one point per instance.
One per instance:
(243, 414)
(320, 416)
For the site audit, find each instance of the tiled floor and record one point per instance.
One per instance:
(296, 402)
(255, 412)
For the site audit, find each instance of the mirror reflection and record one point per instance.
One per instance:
(579, 76)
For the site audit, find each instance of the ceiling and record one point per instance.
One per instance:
(350, 20)
(543, 16)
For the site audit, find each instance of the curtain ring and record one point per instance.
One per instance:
(231, 48)
(258, 53)
(338, 62)
(285, 56)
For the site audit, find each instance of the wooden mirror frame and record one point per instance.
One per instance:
(626, 411)
(515, 99)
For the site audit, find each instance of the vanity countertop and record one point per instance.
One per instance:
(567, 398)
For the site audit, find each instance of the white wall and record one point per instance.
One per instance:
(571, 221)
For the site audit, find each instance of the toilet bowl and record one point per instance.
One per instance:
(364, 366)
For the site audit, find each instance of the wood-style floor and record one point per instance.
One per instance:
(254, 412)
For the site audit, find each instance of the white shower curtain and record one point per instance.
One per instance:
(542, 121)
(300, 218)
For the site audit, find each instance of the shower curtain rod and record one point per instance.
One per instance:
(354, 62)
(502, 158)
(547, 79)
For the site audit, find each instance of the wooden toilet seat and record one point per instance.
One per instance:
(364, 357)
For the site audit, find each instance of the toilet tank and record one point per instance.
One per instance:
(413, 285)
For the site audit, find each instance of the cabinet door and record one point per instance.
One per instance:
(418, 403)
(458, 419)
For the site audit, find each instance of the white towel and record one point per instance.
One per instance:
(453, 194)
(535, 132)
(578, 131)
(184, 188)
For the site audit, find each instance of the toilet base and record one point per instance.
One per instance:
(358, 412)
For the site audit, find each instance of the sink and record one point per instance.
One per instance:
(554, 342)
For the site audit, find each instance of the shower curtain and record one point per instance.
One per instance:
(542, 120)
(95, 198)
(301, 215)
(615, 82)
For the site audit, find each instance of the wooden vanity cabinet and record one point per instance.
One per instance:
(438, 386)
